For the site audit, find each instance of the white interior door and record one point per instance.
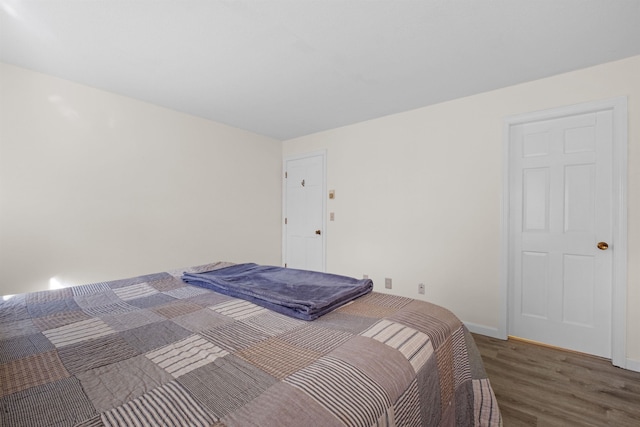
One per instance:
(560, 209)
(304, 240)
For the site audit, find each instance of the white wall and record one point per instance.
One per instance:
(96, 186)
(418, 193)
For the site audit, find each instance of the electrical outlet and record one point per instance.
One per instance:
(421, 288)
(387, 283)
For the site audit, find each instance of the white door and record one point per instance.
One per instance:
(303, 236)
(561, 209)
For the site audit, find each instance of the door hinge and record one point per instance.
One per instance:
(285, 221)
(285, 174)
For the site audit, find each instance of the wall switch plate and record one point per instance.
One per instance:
(421, 288)
(387, 283)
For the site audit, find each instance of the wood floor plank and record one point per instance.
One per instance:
(542, 386)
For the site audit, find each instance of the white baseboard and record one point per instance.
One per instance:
(483, 330)
(630, 364)
(633, 365)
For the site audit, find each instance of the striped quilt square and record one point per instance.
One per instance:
(461, 365)
(277, 357)
(94, 353)
(135, 291)
(345, 322)
(430, 395)
(414, 345)
(169, 405)
(90, 289)
(186, 355)
(379, 362)
(26, 345)
(122, 283)
(407, 408)
(103, 303)
(78, 332)
(345, 391)
(311, 337)
(51, 295)
(186, 292)
(445, 369)
(359, 308)
(109, 309)
(167, 283)
(30, 371)
(485, 405)
(58, 403)
(273, 323)
(282, 405)
(238, 309)
(438, 321)
(176, 308)
(384, 300)
(226, 384)
(234, 336)
(60, 319)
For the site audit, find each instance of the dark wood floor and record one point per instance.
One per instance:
(542, 386)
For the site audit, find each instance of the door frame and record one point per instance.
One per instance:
(619, 237)
(285, 159)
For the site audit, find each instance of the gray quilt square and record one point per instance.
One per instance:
(15, 308)
(110, 386)
(132, 319)
(209, 299)
(26, 345)
(154, 335)
(201, 320)
(151, 301)
(18, 328)
(51, 307)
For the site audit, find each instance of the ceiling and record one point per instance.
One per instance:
(290, 68)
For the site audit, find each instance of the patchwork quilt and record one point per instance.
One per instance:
(155, 351)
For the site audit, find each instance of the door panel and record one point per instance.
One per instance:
(561, 180)
(304, 213)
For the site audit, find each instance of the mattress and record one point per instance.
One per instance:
(155, 351)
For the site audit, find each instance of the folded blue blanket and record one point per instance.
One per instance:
(302, 294)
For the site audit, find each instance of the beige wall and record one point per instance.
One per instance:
(96, 186)
(418, 193)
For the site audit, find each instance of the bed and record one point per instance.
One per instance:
(156, 351)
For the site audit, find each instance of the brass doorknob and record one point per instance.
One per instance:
(603, 246)
(318, 232)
